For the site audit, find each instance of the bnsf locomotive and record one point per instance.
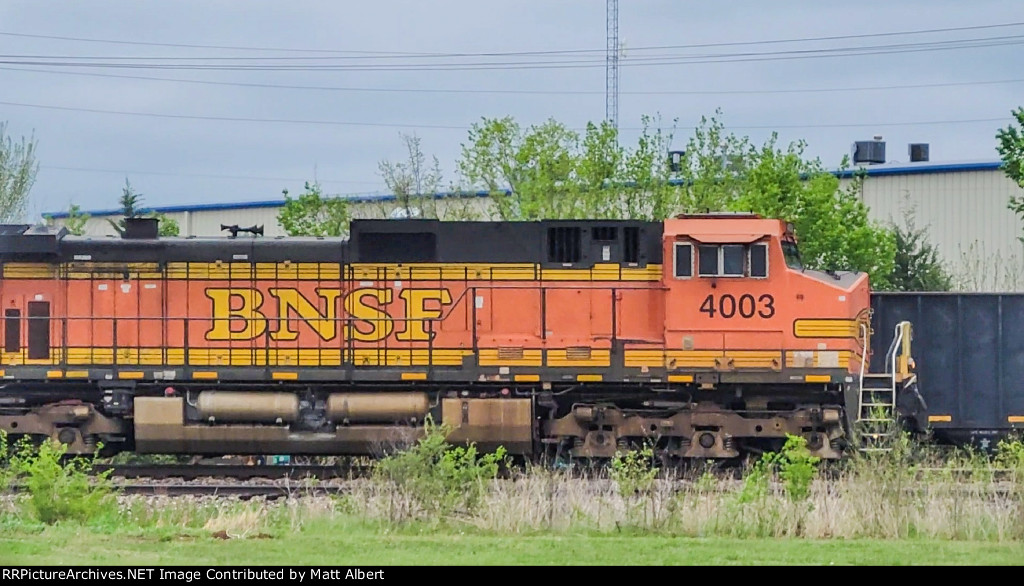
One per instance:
(703, 334)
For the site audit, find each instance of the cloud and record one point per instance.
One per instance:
(86, 156)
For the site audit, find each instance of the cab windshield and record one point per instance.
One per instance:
(792, 254)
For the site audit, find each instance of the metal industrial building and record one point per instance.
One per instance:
(962, 205)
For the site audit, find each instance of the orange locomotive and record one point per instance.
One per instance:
(702, 334)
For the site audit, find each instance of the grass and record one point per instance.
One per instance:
(433, 504)
(346, 541)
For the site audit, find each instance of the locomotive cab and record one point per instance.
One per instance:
(738, 292)
(742, 312)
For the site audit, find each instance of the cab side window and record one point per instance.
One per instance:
(759, 260)
(732, 260)
(707, 260)
(683, 260)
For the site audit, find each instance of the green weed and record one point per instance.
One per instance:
(440, 478)
(59, 489)
(634, 471)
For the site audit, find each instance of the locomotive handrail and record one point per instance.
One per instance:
(897, 343)
(864, 353)
(890, 356)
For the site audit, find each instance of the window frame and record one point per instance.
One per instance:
(799, 266)
(675, 260)
(767, 259)
(720, 273)
(720, 253)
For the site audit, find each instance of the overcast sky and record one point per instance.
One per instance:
(183, 151)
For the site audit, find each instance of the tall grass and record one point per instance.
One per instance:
(905, 492)
(901, 493)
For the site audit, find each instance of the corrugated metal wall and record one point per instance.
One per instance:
(966, 215)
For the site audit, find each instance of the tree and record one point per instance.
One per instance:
(18, 169)
(831, 222)
(917, 266)
(76, 220)
(130, 203)
(550, 171)
(131, 207)
(1011, 150)
(418, 189)
(313, 214)
(167, 226)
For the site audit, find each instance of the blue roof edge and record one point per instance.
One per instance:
(879, 170)
(240, 205)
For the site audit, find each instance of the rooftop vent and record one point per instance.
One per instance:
(918, 152)
(141, 228)
(869, 151)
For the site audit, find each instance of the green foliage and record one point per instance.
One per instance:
(18, 169)
(122, 458)
(441, 478)
(917, 266)
(831, 222)
(131, 207)
(76, 220)
(757, 481)
(417, 187)
(797, 467)
(634, 471)
(129, 202)
(58, 490)
(1010, 453)
(167, 226)
(552, 171)
(794, 465)
(313, 214)
(1011, 147)
(6, 470)
(1011, 150)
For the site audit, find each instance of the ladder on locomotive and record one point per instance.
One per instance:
(876, 406)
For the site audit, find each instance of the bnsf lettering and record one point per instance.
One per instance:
(244, 314)
(728, 306)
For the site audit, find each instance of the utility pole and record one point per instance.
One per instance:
(611, 86)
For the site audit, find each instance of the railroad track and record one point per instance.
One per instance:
(241, 491)
(220, 489)
(236, 471)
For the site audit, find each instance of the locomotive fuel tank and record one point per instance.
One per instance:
(247, 407)
(377, 407)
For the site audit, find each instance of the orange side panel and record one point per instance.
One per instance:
(177, 300)
(640, 314)
(568, 319)
(80, 313)
(515, 317)
(126, 309)
(103, 313)
(151, 310)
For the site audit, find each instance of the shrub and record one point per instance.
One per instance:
(59, 490)
(442, 479)
(797, 468)
(634, 471)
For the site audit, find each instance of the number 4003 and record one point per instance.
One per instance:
(746, 306)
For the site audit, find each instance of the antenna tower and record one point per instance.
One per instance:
(611, 86)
